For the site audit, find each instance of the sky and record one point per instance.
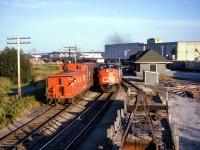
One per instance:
(91, 24)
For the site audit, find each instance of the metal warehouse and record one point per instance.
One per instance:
(181, 51)
(122, 51)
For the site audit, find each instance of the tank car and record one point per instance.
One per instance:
(109, 76)
(70, 83)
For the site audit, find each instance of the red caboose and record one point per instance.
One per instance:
(70, 83)
(109, 77)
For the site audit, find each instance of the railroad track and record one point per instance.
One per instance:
(18, 137)
(129, 85)
(147, 119)
(71, 134)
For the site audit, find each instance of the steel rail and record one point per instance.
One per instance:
(40, 127)
(77, 120)
(126, 84)
(14, 131)
(33, 131)
(73, 141)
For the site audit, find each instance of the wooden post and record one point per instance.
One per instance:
(177, 142)
(122, 113)
(167, 98)
(116, 125)
(129, 94)
(119, 113)
(109, 133)
(112, 132)
(125, 106)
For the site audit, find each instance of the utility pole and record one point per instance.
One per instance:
(18, 42)
(72, 48)
(92, 55)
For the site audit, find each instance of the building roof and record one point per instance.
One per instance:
(148, 56)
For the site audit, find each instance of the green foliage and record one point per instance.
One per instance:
(40, 72)
(5, 86)
(8, 65)
(11, 108)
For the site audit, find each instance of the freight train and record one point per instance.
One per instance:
(70, 83)
(109, 76)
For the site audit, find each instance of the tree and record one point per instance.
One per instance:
(8, 65)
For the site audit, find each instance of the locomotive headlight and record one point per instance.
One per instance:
(107, 70)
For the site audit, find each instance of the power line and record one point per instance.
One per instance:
(18, 42)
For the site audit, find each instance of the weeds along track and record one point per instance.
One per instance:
(17, 137)
(147, 120)
(71, 135)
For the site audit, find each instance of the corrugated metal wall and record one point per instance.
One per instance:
(182, 51)
(117, 51)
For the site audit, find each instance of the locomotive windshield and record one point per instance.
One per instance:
(106, 66)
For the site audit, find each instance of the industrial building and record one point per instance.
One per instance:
(122, 51)
(90, 55)
(180, 51)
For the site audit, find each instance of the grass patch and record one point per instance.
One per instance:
(40, 72)
(5, 85)
(162, 77)
(12, 108)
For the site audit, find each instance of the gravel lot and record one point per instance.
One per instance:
(185, 114)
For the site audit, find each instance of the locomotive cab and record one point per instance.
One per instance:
(109, 77)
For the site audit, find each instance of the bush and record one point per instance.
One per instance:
(11, 108)
(5, 85)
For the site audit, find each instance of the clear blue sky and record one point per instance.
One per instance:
(90, 24)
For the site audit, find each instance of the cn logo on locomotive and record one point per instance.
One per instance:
(108, 79)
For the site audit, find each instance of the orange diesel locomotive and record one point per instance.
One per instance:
(109, 77)
(70, 83)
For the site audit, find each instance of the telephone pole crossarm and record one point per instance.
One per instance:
(18, 42)
(70, 48)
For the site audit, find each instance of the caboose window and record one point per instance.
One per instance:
(61, 89)
(59, 81)
(78, 67)
(63, 68)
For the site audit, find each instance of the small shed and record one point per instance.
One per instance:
(148, 60)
